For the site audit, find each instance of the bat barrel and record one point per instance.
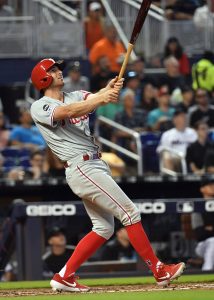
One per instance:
(135, 33)
(140, 20)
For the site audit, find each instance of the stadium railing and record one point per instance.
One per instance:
(53, 28)
(45, 28)
(176, 154)
(158, 29)
(16, 36)
(138, 157)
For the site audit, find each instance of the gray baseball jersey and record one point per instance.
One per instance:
(66, 138)
(90, 180)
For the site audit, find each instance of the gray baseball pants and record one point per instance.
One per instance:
(103, 199)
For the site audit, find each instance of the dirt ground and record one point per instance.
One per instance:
(111, 289)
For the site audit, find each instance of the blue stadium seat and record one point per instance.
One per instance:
(150, 142)
(211, 136)
(9, 163)
(24, 162)
(10, 152)
(14, 157)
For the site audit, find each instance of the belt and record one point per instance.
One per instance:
(85, 157)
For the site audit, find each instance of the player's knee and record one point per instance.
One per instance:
(131, 217)
(109, 232)
(105, 231)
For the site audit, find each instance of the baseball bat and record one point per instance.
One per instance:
(145, 5)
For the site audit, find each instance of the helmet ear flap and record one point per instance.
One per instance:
(46, 81)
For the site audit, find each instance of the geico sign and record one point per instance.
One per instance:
(51, 210)
(151, 208)
(209, 206)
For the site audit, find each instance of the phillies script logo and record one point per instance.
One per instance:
(76, 121)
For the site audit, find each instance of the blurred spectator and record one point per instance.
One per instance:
(209, 161)
(172, 78)
(26, 135)
(187, 98)
(73, 4)
(196, 152)
(155, 62)
(5, 10)
(54, 166)
(130, 117)
(17, 174)
(110, 47)
(58, 255)
(4, 132)
(209, 164)
(174, 48)
(75, 81)
(109, 111)
(102, 74)
(211, 3)
(1, 166)
(8, 274)
(94, 25)
(174, 142)
(203, 110)
(119, 248)
(203, 73)
(203, 16)
(36, 169)
(138, 66)
(182, 9)
(132, 82)
(161, 117)
(148, 100)
(116, 164)
(203, 226)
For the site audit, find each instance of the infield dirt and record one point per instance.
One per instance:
(110, 289)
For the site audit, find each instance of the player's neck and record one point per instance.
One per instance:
(54, 93)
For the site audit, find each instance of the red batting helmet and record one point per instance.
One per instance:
(40, 77)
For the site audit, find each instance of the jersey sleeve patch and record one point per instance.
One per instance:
(44, 113)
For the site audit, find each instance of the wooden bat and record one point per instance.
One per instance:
(145, 5)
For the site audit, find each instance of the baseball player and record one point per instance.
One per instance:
(62, 119)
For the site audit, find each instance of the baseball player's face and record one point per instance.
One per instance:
(56, 73)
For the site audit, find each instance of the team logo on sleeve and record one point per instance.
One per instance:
(46, 107)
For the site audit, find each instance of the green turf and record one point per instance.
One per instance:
(163, 295)
(108, 281)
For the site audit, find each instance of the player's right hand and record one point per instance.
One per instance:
(110, 96)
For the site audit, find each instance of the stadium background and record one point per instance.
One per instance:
(32, 209)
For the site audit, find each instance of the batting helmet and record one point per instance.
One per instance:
(40, 77)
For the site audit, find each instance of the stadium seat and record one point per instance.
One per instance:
(15, 157)
(150, 142)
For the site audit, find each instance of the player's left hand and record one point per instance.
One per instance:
(116, 83)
